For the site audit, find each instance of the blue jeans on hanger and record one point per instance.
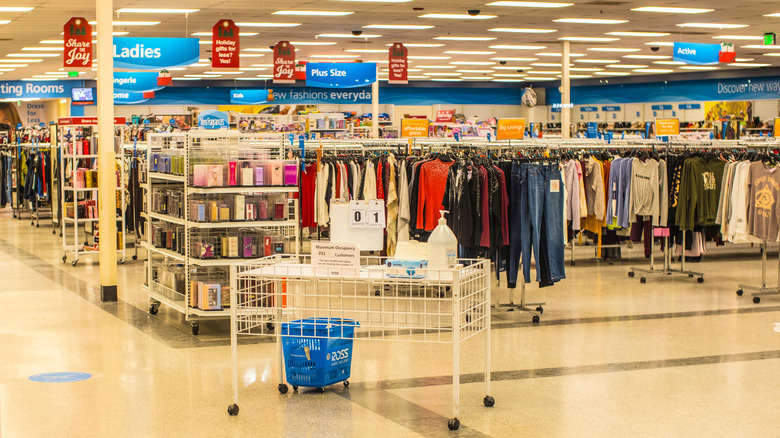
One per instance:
(553, 222)
(514, 218)
(542, 223)
(9, 179)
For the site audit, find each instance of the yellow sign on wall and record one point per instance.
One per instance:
(414, 128)
(732, 110)
(666, 127)
(510, 129)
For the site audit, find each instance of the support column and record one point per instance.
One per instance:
(375, 106)
(106, 167)
(565, 91)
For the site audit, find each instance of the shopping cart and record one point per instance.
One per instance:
(318, 351)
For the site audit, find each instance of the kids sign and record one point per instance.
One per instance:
(340, 74)
(224, 45)
(78, 43)
(284, 63)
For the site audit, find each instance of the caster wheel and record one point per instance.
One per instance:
(346, 383)
(121, 261)
(195, 329)
(38, 226)
(233, 410)
(64, 259)
(53, 232)
(453, 424)
(321, 390)
(489, 401)
(535, 319)
(440, 294)
(295, 388)
(74, 262)
(631, 274)
(377, 293)
(643, 280)
(700, 280)
(690, 275)
(740, 292)
(573, 264)
(283, 388)
(540, 309)
(135, 257)
(756, 300)
(153, 309)
(270, 326)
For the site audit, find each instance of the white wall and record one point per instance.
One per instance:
(766, 109)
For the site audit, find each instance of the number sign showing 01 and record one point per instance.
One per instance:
(366, 215)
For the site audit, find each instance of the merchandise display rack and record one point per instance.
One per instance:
(763, 290)
(185, 151)
(389, 304)
(70, 158)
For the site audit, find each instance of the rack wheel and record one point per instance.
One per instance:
(321, 390)
(572, 263)
(270, 326)
(53, 232)
(283, 388)
(535, 319)
(643, 280)
(740, 292)
(346, 383)
(135, 257)
(74, 262)
(756, 300)
(233, 410)
(540, 309)
(122, 261)
(295, 388)
(65, 259)
(153, 308)
(489, 401)
(377, 293)
(453, 424)
(631, 274)
(690, 275)
(700, 280)
(195, 328)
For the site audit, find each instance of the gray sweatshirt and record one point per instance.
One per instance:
(645, 190)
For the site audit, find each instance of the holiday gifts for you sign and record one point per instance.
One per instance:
(225, 45)
(398, 67)
(510, 129)
(284, 63)
(78, 43)
(414, 128)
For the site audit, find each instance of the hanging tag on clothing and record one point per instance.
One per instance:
(376, 214)
(358, 214)
(555, 186)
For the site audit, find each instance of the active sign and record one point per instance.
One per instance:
(340, 74)
(510, 129)
(155, 53)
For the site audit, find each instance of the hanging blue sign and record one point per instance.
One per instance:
(589, 109)
(610, 108)
(42, 90)
(248, 97)
(213, 120)
(155, 53)
(689, 106)
(555, 109)
(136, 81)
(61, 377)
(340, 74)
(125, 98)
(660, 107)
(696, 53)
(593, 130)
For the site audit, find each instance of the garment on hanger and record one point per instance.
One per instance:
(392, 207)
(433, 179)
(763, 213)
(403, 203)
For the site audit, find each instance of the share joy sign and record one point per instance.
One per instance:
(77, 38)
(284, 63)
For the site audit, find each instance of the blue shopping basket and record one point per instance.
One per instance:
(315, 356)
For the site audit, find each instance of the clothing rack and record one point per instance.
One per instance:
(759, 291)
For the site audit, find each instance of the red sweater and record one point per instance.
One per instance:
(433, 179)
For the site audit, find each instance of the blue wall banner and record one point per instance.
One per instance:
(660, 107)
(589, 109)
(689, 106)
(248, 97)
(213, 120)
(155, 53)
(39, 90)
(610, 108)
(136, 81)
(125, 98)
(697, 54)
(340, 74)
(60, 377)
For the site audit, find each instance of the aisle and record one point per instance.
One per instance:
(610, 358)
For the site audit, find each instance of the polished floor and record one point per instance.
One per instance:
(610, 358)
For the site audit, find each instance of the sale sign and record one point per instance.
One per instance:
(78, 43)
(398, 65)
(667, 127)
(510, 129)
(225, 45)
(284, 63)
(414, 128)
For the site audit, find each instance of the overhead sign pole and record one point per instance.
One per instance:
(565, 92)
(106, 167)
(375, 107)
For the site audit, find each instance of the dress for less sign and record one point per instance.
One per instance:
(510, 129)
(414, 128)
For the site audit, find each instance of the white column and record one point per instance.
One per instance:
(565, 91)
(375, 106)
(106, 168)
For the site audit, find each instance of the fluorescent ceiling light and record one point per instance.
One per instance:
(776, 14)
(16, 8)
(204, 42)
(508, 80)
(176, 68)
(459, 16)
(589, 21)
(589, 39)
(580, 76)
(51, 42)
(435, 66)
(471, 63)
(481, 78)
(315, 13)
(419, 45)
(21, 60)
(130, 23)
(669, 62)
(475, 71)
(760, 46)
(744, 59)
(429, 57)
(521, 30)
(747, 64)
(597, 61)
(260, 24)
(771, 54)
(469, 52)
(517, 47)
(414, 69)
(258, 49)
(253, 68)
(530, 4)
(558, 54)
(670, 10)
(446, 79)
(634, 66)
(458, 38)
(27, 55)
(239, 34)
(699, 67)
(738, 37)
(418, 77)
(155, 11)
(507, 75)
(543, 72)
(200, 76)
(647, 56)
(660, 43)
(713, 25)
(313, 43)
(612, 49)
(375, 1)
(200, 64)
(7, 69)
(366, 50)
(612, 73)
(334, 56)
(222, 72)
(262, 65)
(639, 34)
(541, 78)
(546, 64)
(186, 79)
(347, 35)
(654, 70)
(441, 74)
(397, 26)
(52, 77)
(514, 59)
(249, 55)
(517, 67)
(44, 49)
(5, 21)
(585, 69)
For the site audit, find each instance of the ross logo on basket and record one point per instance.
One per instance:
(340, 354)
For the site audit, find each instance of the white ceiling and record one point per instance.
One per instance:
(45, 22)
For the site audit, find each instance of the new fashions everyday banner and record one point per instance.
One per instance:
(135, 82)
(155, 53)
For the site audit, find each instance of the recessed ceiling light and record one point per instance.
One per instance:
(459, 16)
(429, 57)
(660, 43)
(347, 35)
(647, 56)
(397, 26)
(589, 21)
(654, 70)
(315, 13)
(670, 10)
(517, 47)
(612, 49)
(239, 34)
(699, 67)
(558, 54)
(366, 50)
(130, 23)
(589, 39)
(313, 43)
(260, 24)
(419, 45)
(460, 38)
(634, 66)
(612, 73)
(521, 30)
(713, 25)
(469, 52)
(472, 63)
(530, 4)
(155, 11)
(334, 56)
(747, 64)
(435, 66)
(514, 59)
(639, 34)
(596, 61)
(738, 37)
(585, 69)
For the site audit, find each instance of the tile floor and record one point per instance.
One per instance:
(611, 357)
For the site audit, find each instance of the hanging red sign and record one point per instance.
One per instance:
(77, 36)
(398, 65)
(300, 70)
(148, 94)
(225, 45)
(284, 63)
